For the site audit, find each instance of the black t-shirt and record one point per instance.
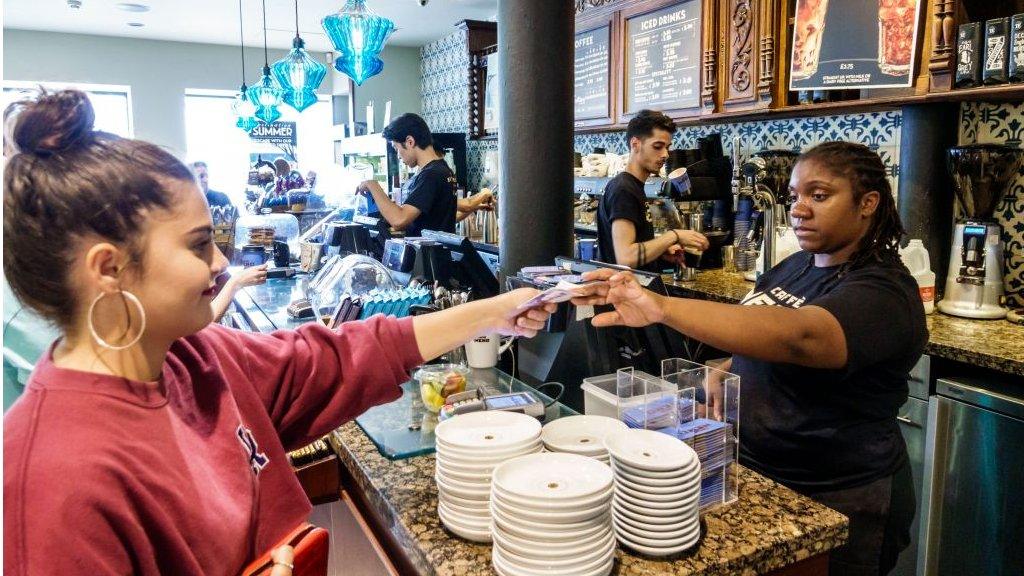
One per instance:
(214, 198)
(815, 429)
(623, 198)
(434, 191)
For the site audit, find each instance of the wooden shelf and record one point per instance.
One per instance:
(1002, 93)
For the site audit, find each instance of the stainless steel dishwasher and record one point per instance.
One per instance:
(913, 419)
(974, 479)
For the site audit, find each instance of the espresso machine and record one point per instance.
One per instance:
(981, 174)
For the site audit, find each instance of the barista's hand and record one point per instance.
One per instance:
(482, 200)
(369, 187)
(284, 560)
(250, 276)
(692, 239)
(509, 320)
(635, 306)
(674, 254)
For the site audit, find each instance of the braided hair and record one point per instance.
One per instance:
(865, 171)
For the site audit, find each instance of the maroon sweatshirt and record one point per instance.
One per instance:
(108, 476)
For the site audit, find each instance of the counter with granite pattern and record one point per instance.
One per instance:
(994, 344)
(769, 527)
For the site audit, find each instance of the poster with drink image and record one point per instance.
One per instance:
(843, 44)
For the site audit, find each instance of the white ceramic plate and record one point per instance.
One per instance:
(576, 563)
(504, 568)
(543, 552)
(656, 478)
(552, 476)
(560, 546)
(580, 434)
(480, 494)
(489, 429)
(483, 456)
(676, 505)
(462, 476)
(558, 517)
(554, 506)
(647, 511)
(657, 485)
(466, 532)
(653, 523)
(536, 532)
(685, 531)
(460, 484)
(638, 546)
(681, 495)
(528, 528)
(464, 518)
(649, 450)
(457, 503)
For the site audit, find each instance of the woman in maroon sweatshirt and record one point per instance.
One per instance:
(148, 440)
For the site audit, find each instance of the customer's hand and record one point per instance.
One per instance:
(251, 276)
(284, 561)
(510, 320)
(693, 239)
(635, 306)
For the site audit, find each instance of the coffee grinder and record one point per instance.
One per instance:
(981, 174)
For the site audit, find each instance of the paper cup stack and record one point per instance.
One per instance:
(583, 435)
(469, 447)
(656, 508)
(551, 516)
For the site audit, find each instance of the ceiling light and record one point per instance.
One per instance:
(131, 7)
(136, 24)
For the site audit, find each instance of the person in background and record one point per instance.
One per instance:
(148, 440)
(823, 346)
(624, 234)
(202, 174)
(431, 197)
(229, 285)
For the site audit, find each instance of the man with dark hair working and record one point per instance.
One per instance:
(202, 174)
(624, 234)
(431, 200)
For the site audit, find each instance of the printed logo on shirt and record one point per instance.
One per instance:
(774, 297)
(257, 460)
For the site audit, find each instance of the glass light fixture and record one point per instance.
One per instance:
(298, 73)
(358, 35)
(241, 107)
(266, 95)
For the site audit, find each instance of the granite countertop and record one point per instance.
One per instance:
(769, 526)
(995, 344)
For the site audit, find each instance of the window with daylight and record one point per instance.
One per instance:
(212, 137)
(113, 104)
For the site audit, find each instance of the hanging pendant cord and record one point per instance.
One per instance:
(241, 39)
(266, 57)
(296, 18)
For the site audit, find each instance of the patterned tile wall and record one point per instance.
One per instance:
(983, 123)
(880, 131)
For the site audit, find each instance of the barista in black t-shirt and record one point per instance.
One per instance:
(624, 234)
(823, 345)
(431, 196)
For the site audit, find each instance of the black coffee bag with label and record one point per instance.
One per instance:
(1017, 48)
(968, 55)
(997, 51)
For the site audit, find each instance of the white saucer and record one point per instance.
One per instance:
(552, 477)
(465, 518)
(554, 506)
(685, 531)
(488, 430)
(648, 511)
(649, 450)
(461, 504)
(464, 531)
(656, 478)
(482, 494)
(504, 568)
(574, 563)
(658, 485)
(483, 455)
(580, 434)
(533, 532)
(553, 547)
(681, 495)
(677, 505)
(656, 551)
(653, 523)
(542, 551)
(528, 528)
(461, 484)
(574, 516)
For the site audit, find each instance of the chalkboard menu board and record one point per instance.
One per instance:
(663, 58)
(592, 73)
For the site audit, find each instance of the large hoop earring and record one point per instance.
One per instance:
(142, 326)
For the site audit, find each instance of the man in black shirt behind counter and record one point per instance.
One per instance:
(431, 197)
(624, 234)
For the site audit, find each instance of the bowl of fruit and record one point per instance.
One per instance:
(438, 381)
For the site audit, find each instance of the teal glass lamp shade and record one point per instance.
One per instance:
(299, 75)
(247, 124)
(358, 35)
(266, 96)
(244, 110)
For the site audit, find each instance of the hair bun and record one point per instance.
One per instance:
(53, 122)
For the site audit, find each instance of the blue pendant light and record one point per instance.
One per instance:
(266, 95)
(241, 107)
(298, 73)
(358, 35)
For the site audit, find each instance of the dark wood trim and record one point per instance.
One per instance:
(587, 24)
(480, 33)
(321, 479)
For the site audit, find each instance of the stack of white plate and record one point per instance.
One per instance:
(469, 447)
(583, 435)
(551, 516)
(656, 508)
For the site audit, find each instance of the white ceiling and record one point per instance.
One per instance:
(216, 21)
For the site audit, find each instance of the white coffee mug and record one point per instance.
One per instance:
(483, 352)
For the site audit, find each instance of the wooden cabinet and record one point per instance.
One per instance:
(944, 17)
(753, 72)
